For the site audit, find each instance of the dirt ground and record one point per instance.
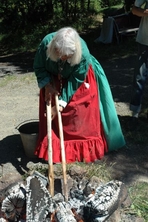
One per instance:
(19, 103)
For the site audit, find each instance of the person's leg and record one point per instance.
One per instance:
(140, 76)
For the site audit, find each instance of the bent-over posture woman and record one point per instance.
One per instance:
(63, 65)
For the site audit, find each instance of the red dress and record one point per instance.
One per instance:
(84, 138)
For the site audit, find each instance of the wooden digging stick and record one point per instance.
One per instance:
(62, 148)
(50, 162)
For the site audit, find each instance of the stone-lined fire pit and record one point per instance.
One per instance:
(89, 200)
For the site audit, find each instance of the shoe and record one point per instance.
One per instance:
(133, 125)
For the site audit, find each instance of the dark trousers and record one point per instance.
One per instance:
(140, 77)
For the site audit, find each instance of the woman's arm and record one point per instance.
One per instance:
(39, 66)
(40, 62)
(141, 12)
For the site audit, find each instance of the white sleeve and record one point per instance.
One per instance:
(62, 103)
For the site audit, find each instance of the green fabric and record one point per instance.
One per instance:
(45, 68)
(109, 118)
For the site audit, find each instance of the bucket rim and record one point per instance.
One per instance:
(29, 128)
(25, 122)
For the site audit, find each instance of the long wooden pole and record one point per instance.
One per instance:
(62, 148)
(50, 161)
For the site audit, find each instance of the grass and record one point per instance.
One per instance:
(7, 79)
(139, 197)
(17, 80)
(93, 169)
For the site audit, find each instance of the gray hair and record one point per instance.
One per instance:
(67, 42)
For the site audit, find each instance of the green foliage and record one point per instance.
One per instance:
(19, 14)
(109, 3)
(24, 23)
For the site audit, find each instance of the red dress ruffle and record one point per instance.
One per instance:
(84, 138)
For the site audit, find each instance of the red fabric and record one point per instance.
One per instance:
(84, 139)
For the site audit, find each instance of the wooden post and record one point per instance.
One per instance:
(50, 161)
(62, 148)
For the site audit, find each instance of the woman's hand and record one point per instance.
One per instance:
(54, 111)
(49, 91)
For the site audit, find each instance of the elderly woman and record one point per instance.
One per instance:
(63, 65)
